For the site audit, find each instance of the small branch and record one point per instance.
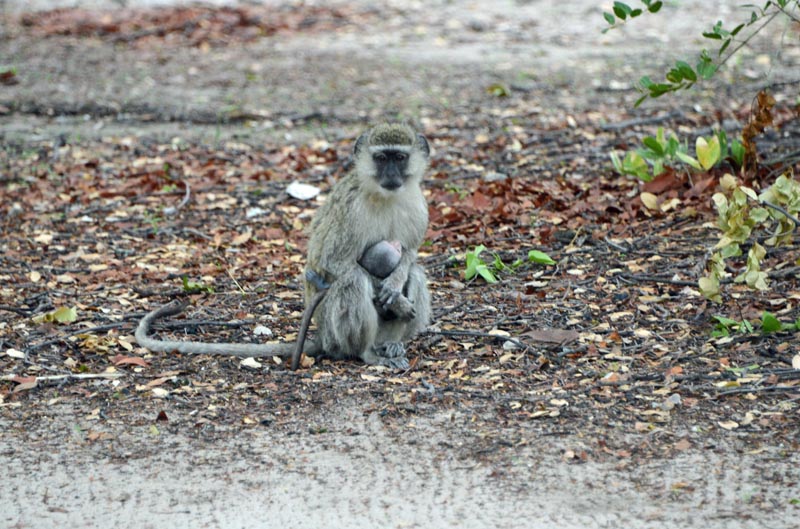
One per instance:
(56, 378)
(785, 213)
(21, 312)
(479, 334)
(172, 210)
(754, 390)
(650, 120)
(747, 40)
(788, 14)
(656, 279)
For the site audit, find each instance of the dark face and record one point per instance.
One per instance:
(391, 168)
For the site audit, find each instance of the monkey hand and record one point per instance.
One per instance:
(402, 308)
(391, 290)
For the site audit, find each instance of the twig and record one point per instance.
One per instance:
(99, 328)
(616, 246)
(479, 334)
(21, 312)
(746, 41)
(755, 390)
(172, 210)
(650, 120)
(656, 279)
(781, 210)
(55, 378)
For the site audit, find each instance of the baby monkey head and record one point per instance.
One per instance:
(391, 156)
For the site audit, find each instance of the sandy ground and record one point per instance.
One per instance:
(365, 471)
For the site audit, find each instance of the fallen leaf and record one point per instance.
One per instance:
(649, 200)
(134, 360)
(250, 362)
(728, 425)
(302, 191)
(242, 238)
(554, 336)
(683, 444)
(13, 353)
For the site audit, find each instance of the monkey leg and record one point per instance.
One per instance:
(416, 290)
(393, 332)
(347, 322)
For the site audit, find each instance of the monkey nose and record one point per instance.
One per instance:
(391, 185)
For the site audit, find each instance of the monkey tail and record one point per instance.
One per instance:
(224, 349)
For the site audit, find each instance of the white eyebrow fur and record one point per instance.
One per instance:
(401, 148)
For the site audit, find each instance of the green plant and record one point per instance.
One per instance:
(475, 266)
(725, 326)
(682, 75)
(191, 287)
(769, 323)
(741, 212)
(660, 152)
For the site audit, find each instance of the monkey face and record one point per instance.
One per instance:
(391, 168)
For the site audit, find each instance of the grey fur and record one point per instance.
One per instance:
(360, 316)
(358, 214)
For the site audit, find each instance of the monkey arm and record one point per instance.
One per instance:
(392, 286)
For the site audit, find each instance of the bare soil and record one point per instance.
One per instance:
(477, 434)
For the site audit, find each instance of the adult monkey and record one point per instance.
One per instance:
(360, 315)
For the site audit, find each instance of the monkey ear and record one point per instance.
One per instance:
(360, 143)
(423, 144)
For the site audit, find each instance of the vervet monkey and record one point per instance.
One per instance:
(361, 315)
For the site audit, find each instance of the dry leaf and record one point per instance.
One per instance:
(242, 238)
(134, 360)
(649, 200)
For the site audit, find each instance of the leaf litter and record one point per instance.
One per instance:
(612, 343)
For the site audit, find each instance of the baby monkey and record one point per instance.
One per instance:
(374, 219)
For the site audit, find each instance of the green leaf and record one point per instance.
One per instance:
(486, 274)
(498, 264)
(654, 7)
(770, 323)
(708, 152)
(473, 262)
(616, 162)
(621, 9)
(737, 152)
(498, 90)
(709, 288)
(653, 144)
(538, 257)
(60, 315)
(609, 18)
(688, 160)
(686, 71)
(65, 314)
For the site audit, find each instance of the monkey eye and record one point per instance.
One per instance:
(401, 156)
(379, 157)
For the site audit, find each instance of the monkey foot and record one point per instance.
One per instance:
(390, 354)
(390, 350)
(399, 363)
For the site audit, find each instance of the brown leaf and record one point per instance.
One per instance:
(683, 444)
(663, 182)
(242, 238)
(135, 360)
(556, 336)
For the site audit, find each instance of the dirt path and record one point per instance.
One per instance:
(346, 450)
